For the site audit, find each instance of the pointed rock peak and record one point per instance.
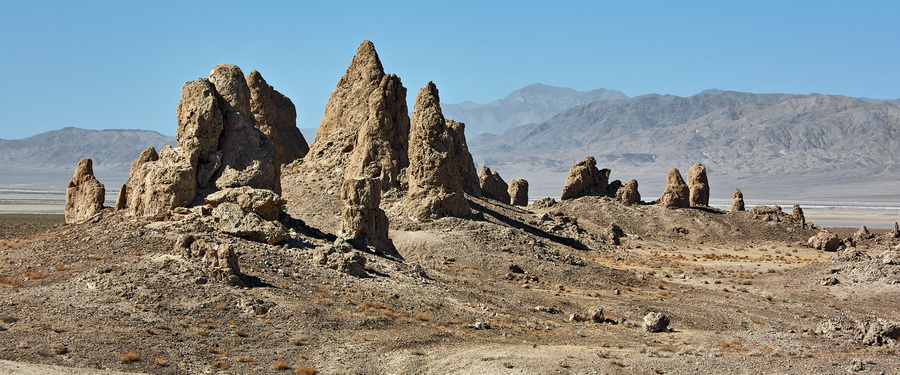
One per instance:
(428, 102)
(255, 78)
(365, 66)
(84, 171)
(231, 85)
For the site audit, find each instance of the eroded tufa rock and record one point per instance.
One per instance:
(364, 224)
(235, 221)
(462, 158)
(586, 180)
(84, 195)
(738, 204)
(264, 203)
(493, 185)
(219, 260)
(824, 240)
(698, 185)
(276, 116)
(676, 193)
(158, 186)
(862, 234)
(628, 193)
(518, 192)
(797, 215)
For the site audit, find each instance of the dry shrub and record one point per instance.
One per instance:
(298, 342)
(35, 275)
(129, 358)
(306, 370)
(247, 359)
(222, 365)
(240, 333)
(280, 365)
(160, 361)
(9, 281)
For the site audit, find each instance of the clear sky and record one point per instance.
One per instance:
(121, 64)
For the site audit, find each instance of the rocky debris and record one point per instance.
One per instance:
(863, 234)
(594, 314)
(262, 202)
(586, 180)
(628, 193)
(518, 192)
(676, 193)
(235, 221)
(365, 128)
(824, 240)
(481, 325)
(276, 116)
(493, 185)
(364, 224)
(851, 254)
(219, 260)
(543, 203)
(84, 195)
(343, 258)
(738, 204)
(462, 158)
(656, 322)
(768, 213)
(829, 281)
(158, 184)
(547, 309)
(435, 188)
(614, 233)
(871, 331)
(797, 215)
(894, 233)
(698, 185)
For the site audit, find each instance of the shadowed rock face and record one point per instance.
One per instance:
(435, 188)
(365, 128)
(518, 192)
(676, 193)
(493, 185)
(463, 158)
(276, 116)
(363, 222)
(586, 180)
(698, 185)
(84, 195)
(738, 203)
(628, 193)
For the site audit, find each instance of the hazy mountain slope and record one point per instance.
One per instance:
(48, 159)
(531, 104)
(762, 138)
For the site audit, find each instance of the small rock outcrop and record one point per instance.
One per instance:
(158, 184)
(824, 240)
(364, 224)
(219, 260)
(738, 204)
(862, 234)
(237, 222)
(586, 180)
(276, 116)
(493, 185)
(543, 203)
(262, 202)
(676, 193)
(518, 192)
(698, 185)
(797, 215)
(84, 195)
(628, 193)
(656, 322)
(435, 187)
(343, 258)
(894, 233)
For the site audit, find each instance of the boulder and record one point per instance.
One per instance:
(235, 221)
(628, 193)
(262, 202)
(158, 186)
(676, 193)
(364, 224)
(543, 203)
(824, 240)
(84, 194)
(656, 322)
(275, 115)
(462, 158)
(435, 188)
(365, 128)
(797, 215)
(493, 185)
(698, 185)
(586, 180)
(518, 192)
(738, 203)
(219, 260)
(614, 233)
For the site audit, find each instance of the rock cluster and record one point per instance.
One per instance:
(493, 185)
(698, 185)
(628, 193)
(738, 204)
(364, 224)
(586, 180)
(518, 192)
(219, 260)
(84, 194)
(276, 116)
(676, 193)
(434, 174)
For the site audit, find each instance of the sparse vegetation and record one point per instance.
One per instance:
(128, 357)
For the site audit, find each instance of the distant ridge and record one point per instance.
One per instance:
(531, 104)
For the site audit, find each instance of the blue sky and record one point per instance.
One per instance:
(121, 64)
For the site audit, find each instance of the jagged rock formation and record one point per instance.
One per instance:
(276, 116)
(84, 195)
(676, 193)
(220, 261)
(824, 240)
(518, 192)
(628, 193)
(122, 198)
(698, 185)
(234, 220)
(493, 185)
(862, 234)
(797, 215)
(738, 204)
(586, 180)
(435, 188)
(365, 128)
(363, 222)
(264, 203)
(463, 158)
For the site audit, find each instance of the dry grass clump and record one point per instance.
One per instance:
(306, 370)
(10, 282)
(129, 358)
(160, 362)
(35, 275)
(222, 365)
(280, 365)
